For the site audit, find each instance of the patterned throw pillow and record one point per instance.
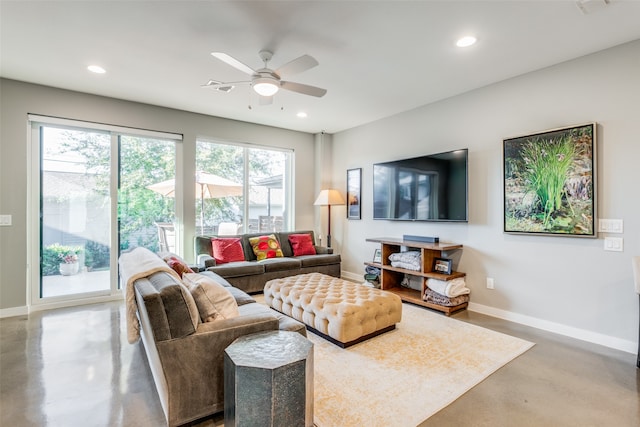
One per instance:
(266, 247)
(302, 244)
(227, 249)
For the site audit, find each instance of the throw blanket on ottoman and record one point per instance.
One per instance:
(343, 312)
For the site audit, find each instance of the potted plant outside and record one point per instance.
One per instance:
(67, 258)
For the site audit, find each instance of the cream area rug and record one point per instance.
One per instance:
(404, 376)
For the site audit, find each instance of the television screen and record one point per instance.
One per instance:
(426, 188)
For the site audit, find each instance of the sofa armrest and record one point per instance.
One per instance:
(323, 250)
(205, 261)
(194, 365)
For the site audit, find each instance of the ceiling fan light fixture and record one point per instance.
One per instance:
(96, 69)
(466, 41)
(265, 86)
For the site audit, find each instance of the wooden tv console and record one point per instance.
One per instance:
(391, 277)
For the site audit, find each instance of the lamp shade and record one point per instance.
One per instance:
(329, 197)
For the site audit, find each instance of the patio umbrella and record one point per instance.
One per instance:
(208, 186)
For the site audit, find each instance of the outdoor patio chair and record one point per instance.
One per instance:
(166, 236)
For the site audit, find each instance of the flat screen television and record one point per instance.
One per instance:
(425, 188)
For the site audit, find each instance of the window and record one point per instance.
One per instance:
(242, 189)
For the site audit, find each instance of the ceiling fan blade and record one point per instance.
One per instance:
(298, 65)
(265, 100)
(303, 89)
(212, 83)
(225, 87)
(233, 62)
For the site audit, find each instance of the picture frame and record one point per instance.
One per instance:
(550, 182)
(354, 186)
(442, 265)
(377, 256)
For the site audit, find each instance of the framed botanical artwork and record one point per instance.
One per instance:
(442, 265)
(550, 182)
(354, 184)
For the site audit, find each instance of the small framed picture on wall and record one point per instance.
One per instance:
(354, 184)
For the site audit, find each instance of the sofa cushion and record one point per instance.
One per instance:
(280, 264)
(227, 249)
(236, 269)
(176, 305)
(240, 296)
(320, 259)
(214, 301)
(219, 279)
(266, 246)
(301, 244)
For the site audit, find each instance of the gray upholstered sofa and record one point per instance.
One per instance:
(187, 364)
(251, 275)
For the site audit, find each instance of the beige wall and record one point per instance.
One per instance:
(569, 285)
(18, 99)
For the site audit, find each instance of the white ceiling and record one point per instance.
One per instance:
(377, 58)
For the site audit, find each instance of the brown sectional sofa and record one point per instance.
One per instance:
(187, 363)
(251, 275)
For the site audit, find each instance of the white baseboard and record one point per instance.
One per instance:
(24, 310)
(13, 311)
(558, 328)
(351, 276)
(75, 302)
(545, 325)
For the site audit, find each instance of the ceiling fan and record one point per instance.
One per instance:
(265, 81)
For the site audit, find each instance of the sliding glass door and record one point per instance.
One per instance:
(93, 202)
(75, 212)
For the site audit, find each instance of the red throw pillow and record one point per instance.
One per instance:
(178, 265)
(302, 244)
(227, 249)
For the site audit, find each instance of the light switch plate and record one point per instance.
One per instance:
(610, 225)
(5, 220)
(615, 244)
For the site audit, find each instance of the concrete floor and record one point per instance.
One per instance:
(74, 367)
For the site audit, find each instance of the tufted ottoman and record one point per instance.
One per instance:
(343, 312)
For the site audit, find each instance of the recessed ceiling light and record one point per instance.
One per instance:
(466, 41)
(302, 115)
(96, 69)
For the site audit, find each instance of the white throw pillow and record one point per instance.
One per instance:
(214, 301)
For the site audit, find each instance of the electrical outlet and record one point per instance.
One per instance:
(489, 283)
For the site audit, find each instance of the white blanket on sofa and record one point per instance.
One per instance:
(138, 263)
